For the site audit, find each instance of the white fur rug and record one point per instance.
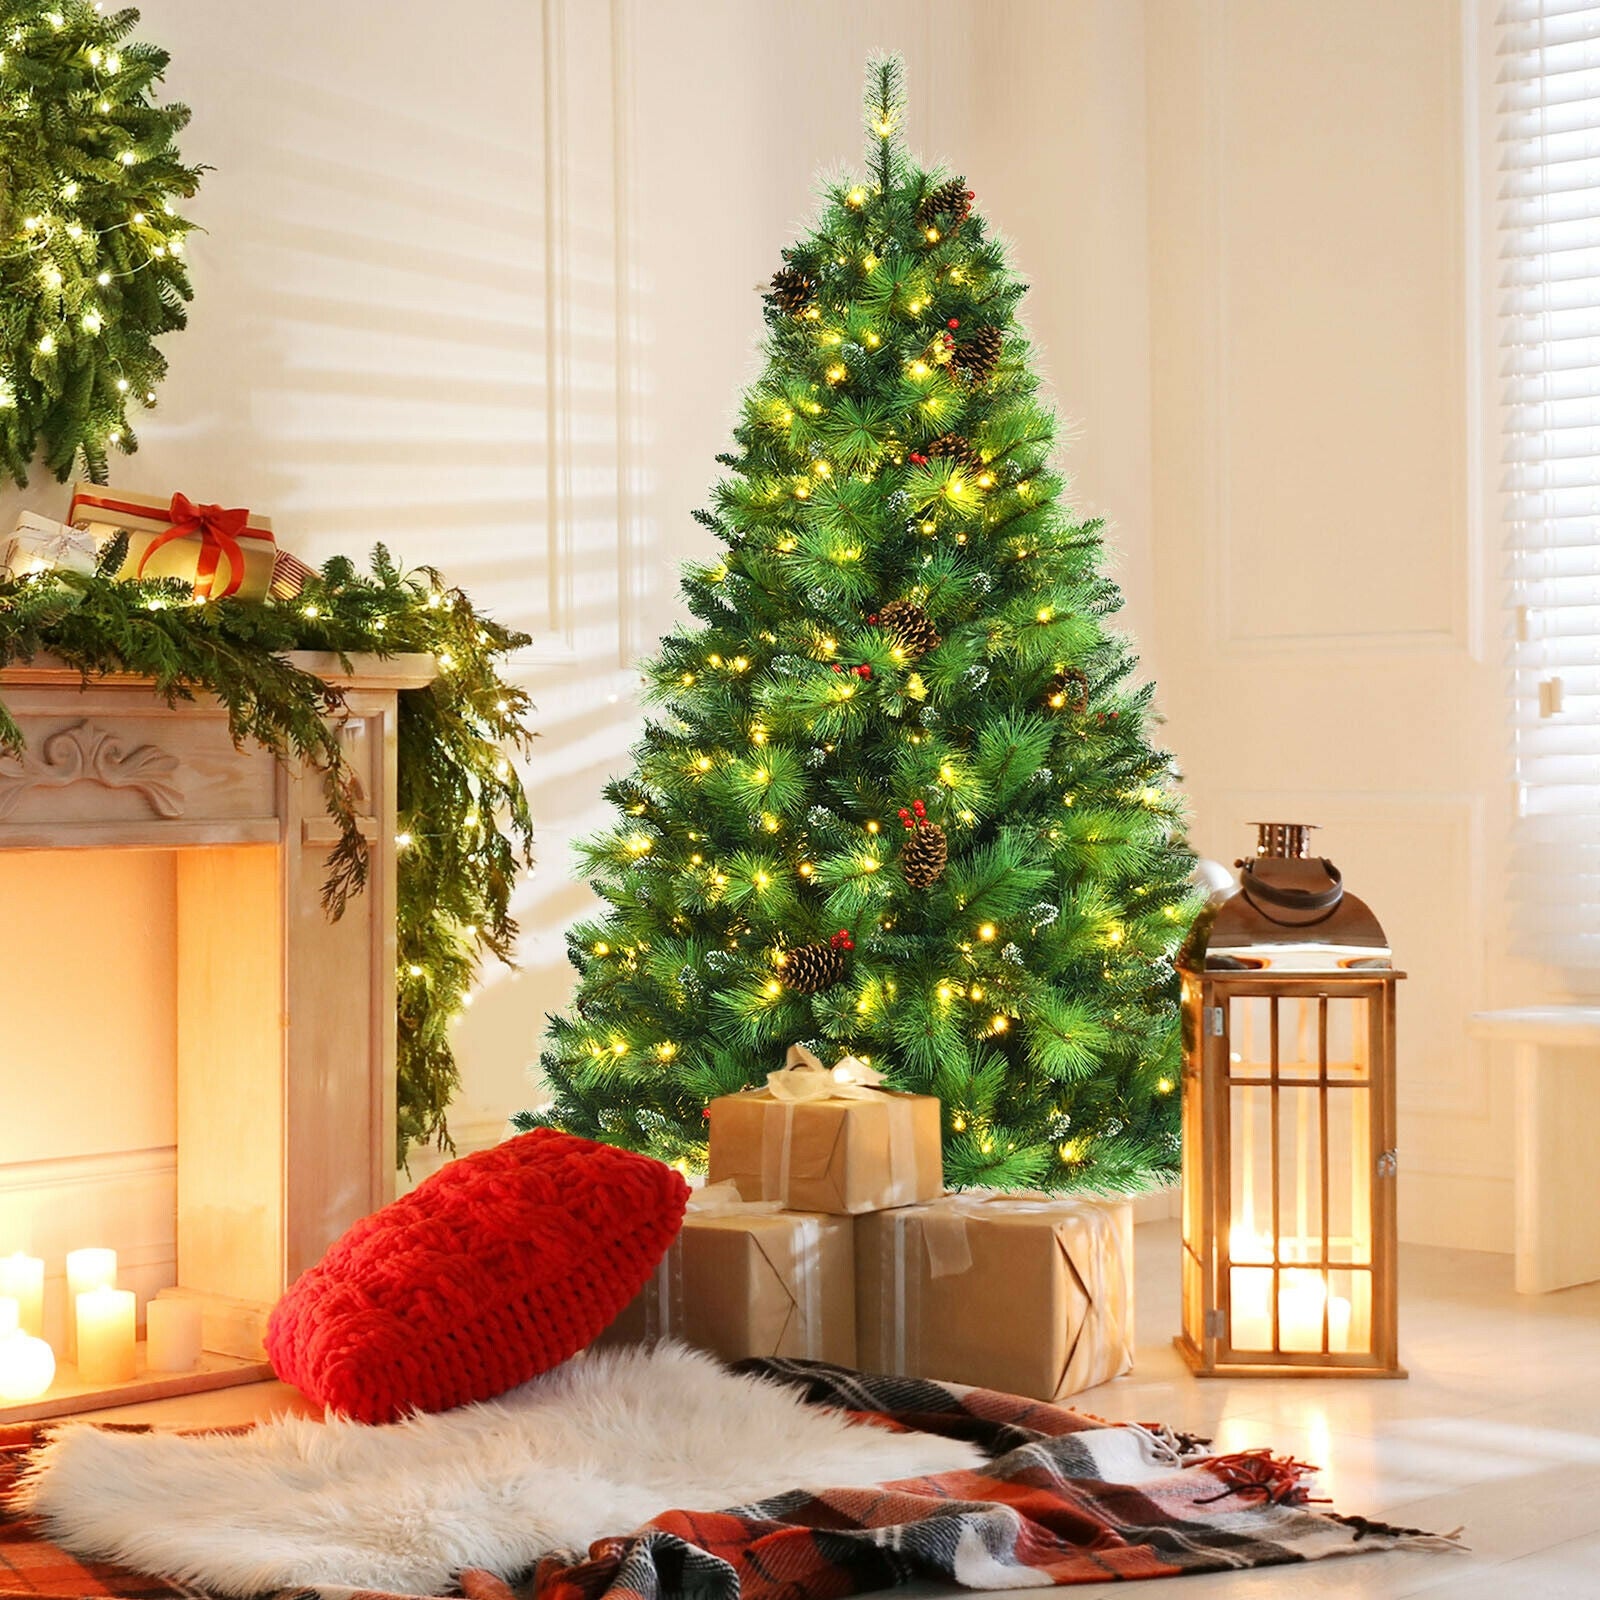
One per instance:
(596, 1447)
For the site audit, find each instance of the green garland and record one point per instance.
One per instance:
(91, 237)
(464, 823)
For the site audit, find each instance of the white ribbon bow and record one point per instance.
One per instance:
(803, 1077)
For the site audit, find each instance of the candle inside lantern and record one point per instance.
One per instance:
(1302, 1293)
(1338, 1322)
(106, 1344)
(92, 1268)
(1301, 1299)
(1250, 1314)
(10, 1315)
(22, 1279)
(172, 1335)
(27, 1367)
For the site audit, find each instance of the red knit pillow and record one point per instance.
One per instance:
(498, 1267)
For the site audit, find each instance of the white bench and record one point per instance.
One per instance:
(1556, 1059)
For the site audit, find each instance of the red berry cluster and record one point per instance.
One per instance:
(1100, 716)
(917, 459)
(912, 822)
(863, 671)
(842, 940)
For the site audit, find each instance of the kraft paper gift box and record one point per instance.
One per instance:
(1025, 1294)
(218, 551)
(817, 1139)
(743, 1281)
(40, 545)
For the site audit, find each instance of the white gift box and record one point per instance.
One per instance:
(39, 545)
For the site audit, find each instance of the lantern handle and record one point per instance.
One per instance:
(1259, 890)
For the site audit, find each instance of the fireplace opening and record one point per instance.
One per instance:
(197, 1067)
(141, 1050)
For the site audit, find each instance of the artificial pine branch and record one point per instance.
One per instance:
(93, 270)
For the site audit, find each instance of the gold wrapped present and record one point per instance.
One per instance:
(217, 551)
(1027, 1294)
(820, 1139)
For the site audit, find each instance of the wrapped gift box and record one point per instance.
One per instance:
(745, 1281)
(1025, 1294)
(217, 551)
(823, 1140)
(40, 545)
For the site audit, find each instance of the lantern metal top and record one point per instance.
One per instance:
(1291, 840)
(1288, 913)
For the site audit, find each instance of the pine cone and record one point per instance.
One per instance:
(951, 200)
(952, 447)
(925, 856)
(976, 358)
(811, 968)
(910, 626)
(793, 289)
(1067, 691)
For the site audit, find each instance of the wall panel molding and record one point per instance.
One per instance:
(1235, 627)
(36, 1178)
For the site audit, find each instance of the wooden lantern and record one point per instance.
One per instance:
(1288, 1126)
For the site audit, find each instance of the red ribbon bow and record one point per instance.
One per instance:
(219, 531)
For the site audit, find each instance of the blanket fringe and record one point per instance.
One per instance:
(1170, 1448)
(1401, 1538)
(1259, 1476)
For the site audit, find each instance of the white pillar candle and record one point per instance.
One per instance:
(1302, 1295)
(22, 1278)
(10, 1315)
(172, 1335)
(27, 1367)
(1338, 1322)
(106, 1345)
(86, 1269)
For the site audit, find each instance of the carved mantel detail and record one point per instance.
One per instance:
(86, 753)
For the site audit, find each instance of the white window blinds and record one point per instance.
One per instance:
(1549, 288)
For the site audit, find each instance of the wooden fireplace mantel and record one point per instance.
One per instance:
(285, 1020)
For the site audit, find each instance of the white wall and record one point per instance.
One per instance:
(486, 289)
(1324, 589)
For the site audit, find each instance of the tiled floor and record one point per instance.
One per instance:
(1497, 1431)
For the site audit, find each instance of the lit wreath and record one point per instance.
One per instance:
(91, 241)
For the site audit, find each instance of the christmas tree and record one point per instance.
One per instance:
(897, 798)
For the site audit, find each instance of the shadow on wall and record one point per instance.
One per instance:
(387, 346)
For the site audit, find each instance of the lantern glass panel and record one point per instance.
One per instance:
(1250, 1315)
(1250, 1228)
(1299, 1173)
(1350, 1176)
(1350, 1312)
(1299, 1164)
(1250, 1038)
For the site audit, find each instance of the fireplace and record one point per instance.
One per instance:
(274, 1126)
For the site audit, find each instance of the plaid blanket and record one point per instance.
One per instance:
(1066, 1499)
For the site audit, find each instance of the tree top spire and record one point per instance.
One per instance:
(885, 105)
